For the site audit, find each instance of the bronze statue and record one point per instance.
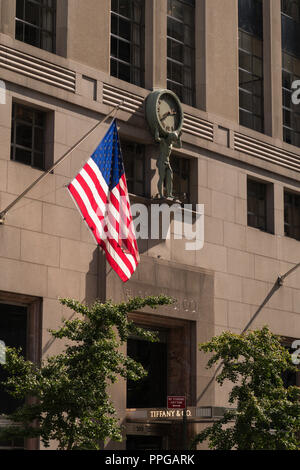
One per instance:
(173, 139)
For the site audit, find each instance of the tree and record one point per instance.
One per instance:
(69, 399)
(265, 414)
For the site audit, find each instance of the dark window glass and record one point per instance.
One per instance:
(124, 29)
(181, 178)
(24, 135)
(32, 13)
(251, 101)
(181, 49)
(28, 136)
(292, 215)
(124, 51)
(257, 204)
(134, 163)
(127, 40)
(250, 17)
(152, 390)
(36, 23)
(290, 23)
(290, 35)
(20, 8)
(291, 8)
(290, 111)
(13, 331)
(289, 377)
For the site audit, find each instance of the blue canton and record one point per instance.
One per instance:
(108, 157)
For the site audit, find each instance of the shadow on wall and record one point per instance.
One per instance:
(92, 285)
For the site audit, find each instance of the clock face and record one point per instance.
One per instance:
(168, 112)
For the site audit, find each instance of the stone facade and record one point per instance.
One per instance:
(46, 250)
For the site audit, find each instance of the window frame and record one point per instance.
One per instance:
(290, 115)
(135, 157)
(132, 44)
(252, 94)
(284, 10)
(294, 132)
(47, 136)
(287, 342)
(39, 28)
(291, 224)
(173, 84)
(187, 199)
(268, 217)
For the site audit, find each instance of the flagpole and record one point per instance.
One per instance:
(59, 161)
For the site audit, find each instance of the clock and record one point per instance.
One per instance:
(164, 112)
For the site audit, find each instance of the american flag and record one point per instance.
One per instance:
(101, 194)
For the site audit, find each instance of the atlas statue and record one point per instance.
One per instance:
(166, 143)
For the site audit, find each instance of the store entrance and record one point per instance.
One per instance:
(135, 442)
(151, 391)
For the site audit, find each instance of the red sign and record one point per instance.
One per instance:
(176, 403)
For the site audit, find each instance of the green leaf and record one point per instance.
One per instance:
(69, 392)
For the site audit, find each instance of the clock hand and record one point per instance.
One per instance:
(169, 113)
(165, 115)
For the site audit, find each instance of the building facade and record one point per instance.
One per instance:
(234, 65)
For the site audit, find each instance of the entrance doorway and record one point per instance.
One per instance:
(151, 391)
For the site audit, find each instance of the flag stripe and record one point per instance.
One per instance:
(87, 210)
(95, 174)
(101, 194)
(91, 219)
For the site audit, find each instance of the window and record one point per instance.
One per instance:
(181, 178)
(151, 391)
(181, 49)
(290, 378)
(127, 40)
(134, 163)
(20, 326)
(251, 106)
(292, 215)
(13, 329)
(35, 23)
(291, 112)
(290, 21)
(260, 205)
(291, 8)
(27, 136)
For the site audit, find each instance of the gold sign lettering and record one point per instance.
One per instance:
(169, 413)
